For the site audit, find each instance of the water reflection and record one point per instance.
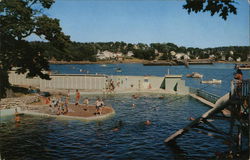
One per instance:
(178, 153)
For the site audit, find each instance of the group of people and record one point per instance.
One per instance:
(58, 103)
(99, 102)
(110, 86)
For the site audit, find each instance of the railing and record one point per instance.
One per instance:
(240, 89)
(204, 94)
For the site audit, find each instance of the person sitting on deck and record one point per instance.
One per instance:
(86, 101)
(77, 97)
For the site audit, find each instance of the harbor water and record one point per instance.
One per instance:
(217, 71)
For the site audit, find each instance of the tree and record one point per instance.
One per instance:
(18, 20)
(221, 7)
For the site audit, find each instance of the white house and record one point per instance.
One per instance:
(212, 56)
(181, 56)
(230, 59)
(130, 54)
(105, 55)
(238, 59)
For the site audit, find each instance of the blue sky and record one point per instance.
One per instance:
(149, 21)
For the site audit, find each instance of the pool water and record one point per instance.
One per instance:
(50, 138)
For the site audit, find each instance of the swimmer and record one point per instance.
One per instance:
(133, 105)
(191, 118)
(147, 122)
(135, 96)
(115, 129)
(17, 119)
(161, 97)
(118, 126)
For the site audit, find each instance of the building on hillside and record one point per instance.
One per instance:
(212, 56)
(223, 57)
(248, 57)
(130, 54)
(179, 56)
(230, 59)
(105, 55)
(238, 59)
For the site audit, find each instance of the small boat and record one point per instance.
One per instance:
(118, 70)
(103, 65)
(194, 75)
(213, 81)
(244, 67)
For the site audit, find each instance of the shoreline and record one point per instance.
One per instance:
(131, 61)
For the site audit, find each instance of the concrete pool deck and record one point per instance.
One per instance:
(109, 112)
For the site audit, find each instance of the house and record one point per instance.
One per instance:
(212, 56)
(130, 54)
(181, 56)
(230, 59)
(248, 57)
(238, 59)
(223, 57)
(105, 55)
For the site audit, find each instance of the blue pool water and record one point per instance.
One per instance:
(49, 138)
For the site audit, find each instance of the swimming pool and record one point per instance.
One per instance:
(49, 138)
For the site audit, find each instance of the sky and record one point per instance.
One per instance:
(150, 21)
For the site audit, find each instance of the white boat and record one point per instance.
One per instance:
(118, 70)
(195, 75)
(213, 81)
(103, 65)
(244, 67)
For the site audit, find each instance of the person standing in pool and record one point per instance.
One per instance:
(99, 103)
(78, 96)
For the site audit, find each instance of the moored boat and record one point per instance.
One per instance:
(213, 81)
(118, 70)
(195, 75)
(244, 67)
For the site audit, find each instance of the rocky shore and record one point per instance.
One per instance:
(22, 102)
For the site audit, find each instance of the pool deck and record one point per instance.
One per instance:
(79, 112)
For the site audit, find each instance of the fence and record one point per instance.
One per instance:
(204, 94)
(240, 88)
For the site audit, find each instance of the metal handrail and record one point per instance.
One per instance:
(204, 94)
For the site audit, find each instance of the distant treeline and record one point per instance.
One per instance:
(77, 51)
